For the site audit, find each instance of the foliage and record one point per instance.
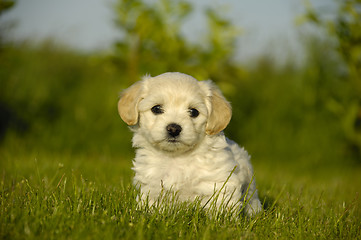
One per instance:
(281, 115)
(5, 5)
(55, 100)
(345, 100)
(152, 41)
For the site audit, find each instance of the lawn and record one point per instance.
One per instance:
(72, 196)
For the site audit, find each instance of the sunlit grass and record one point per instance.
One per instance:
(81, 197)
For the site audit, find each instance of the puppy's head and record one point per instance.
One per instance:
(173, 111)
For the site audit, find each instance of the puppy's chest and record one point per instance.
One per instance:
(175, 174)
(168, 173)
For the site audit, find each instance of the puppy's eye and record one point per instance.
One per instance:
(157, 109)
(193, 112)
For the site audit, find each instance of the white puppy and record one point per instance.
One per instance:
(177, 123)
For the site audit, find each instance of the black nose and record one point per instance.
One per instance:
(174, 129)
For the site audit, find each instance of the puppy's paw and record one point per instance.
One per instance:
(253, 207)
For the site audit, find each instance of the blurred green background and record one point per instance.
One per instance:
(300, 115)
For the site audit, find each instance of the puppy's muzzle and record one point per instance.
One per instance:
(173, 130)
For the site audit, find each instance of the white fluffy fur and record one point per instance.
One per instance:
(198, 161)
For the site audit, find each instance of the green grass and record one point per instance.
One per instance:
(91, 197)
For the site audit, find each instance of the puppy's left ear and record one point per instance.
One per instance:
(128, 103)
(220, 113)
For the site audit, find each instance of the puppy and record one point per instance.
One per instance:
(177, 123)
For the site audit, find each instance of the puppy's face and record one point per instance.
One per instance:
(174, 111)
(173, 114)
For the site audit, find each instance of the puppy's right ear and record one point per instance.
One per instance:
(128, 103)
